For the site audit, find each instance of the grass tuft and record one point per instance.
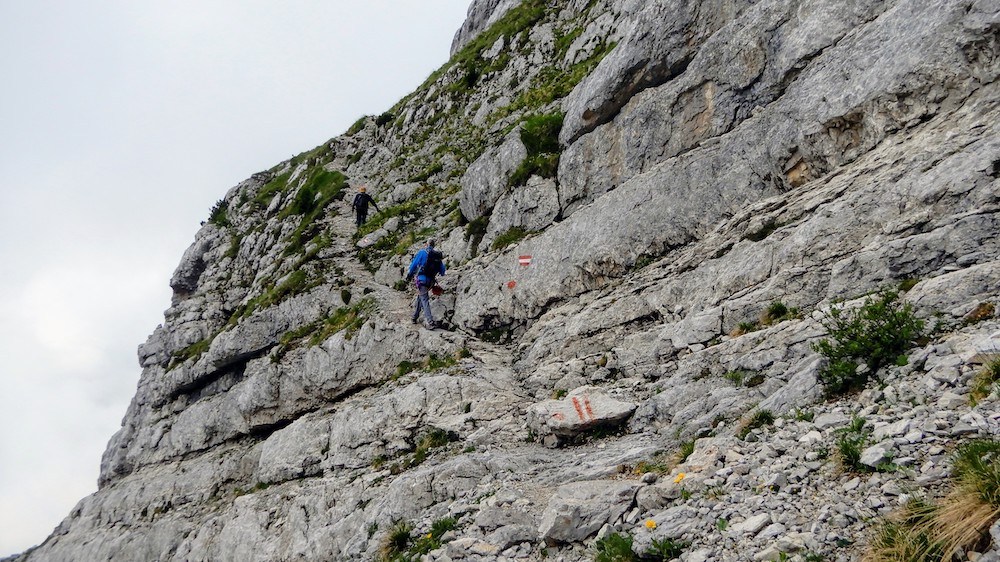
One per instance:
(614, 548)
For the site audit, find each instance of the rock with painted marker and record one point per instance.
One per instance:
(582, 410)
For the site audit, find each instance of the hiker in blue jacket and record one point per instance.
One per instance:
(426, 265)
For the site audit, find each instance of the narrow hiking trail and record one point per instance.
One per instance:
(397, 306)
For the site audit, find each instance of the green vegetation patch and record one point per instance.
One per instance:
(540, 135)
(277, 185)
(877, 334)
(348, 318)
(552, 83)
(357, 126)
(760, 418)
(219, 214)
(193, 351)
(470, 58)
(401, 545)
(513, 235)
(317, 191)
(614, 547)
(959, 522)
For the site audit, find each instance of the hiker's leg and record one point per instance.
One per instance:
(423, 295)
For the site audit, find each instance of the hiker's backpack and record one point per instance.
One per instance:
(433, 264)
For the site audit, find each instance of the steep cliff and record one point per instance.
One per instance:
(625, 191)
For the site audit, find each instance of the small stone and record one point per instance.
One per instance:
(891, 488)
(827, 421)
(775, 481)
(852, 484)
(811, 438)
(772, 531)
(874, 456)
(951, 401)
(751, 525)
(963, 428)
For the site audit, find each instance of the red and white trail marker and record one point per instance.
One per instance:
(524, 260)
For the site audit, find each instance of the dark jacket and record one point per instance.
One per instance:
(361, 202)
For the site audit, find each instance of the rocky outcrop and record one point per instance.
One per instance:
(481, 14)
(607, 363)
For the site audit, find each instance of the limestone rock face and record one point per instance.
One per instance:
(486, 179)
(715, 159)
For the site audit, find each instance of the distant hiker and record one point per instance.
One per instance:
(426, 265)
(360, 205)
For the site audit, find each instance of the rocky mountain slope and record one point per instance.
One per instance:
(674, 170)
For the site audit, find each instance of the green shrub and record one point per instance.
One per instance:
(878, 333)
(614, 548)
(218, 216)
(758, 419)
(405, 368)
(427, 172)
(850, 446)
(685, 451)
(396, 540)
(735, 377)
(513, 235)
(193, 351)
(384, 119)
(666, 549)
(317, 191)
(540, 135)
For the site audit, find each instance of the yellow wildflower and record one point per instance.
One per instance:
(650, 524)
(679, 478)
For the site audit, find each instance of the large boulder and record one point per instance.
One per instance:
(584, 409)
(578, 510)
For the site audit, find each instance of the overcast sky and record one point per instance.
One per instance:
(121, 123)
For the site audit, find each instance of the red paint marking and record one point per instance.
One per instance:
(524, 260)
(559, 416)
(511, 284)
(579, 410)
(586, 402)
